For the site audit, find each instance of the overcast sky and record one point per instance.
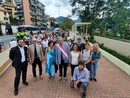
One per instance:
(52, 9)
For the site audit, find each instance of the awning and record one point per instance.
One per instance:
(43, 23)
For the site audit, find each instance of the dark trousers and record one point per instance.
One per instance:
(80, 84)
(72, 69)
(23, 69)
(61, 67)
(37, 61)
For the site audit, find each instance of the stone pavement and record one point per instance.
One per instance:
(111, 83)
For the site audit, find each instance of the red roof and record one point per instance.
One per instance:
(9, 4)
(2, 10)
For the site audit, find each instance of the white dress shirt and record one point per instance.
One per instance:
(45, 43)
(22, 54)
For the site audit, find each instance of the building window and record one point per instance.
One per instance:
(10, 1)
(4, 13)
(5, 18)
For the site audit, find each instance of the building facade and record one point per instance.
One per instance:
(4, 16)
(30, 12)
(7, 10)
(25, 12)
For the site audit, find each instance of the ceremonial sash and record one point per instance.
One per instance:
(63, 50)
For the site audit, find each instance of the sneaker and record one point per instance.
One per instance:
(60, 78)
(16, 92)
(26, 83)
(90, 79)
(65, 78)
(95, 79)
(83, 96)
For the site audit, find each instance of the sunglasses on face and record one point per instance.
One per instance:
(34, 41)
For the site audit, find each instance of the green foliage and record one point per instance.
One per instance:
(111, 17)
(13, 21)
(67, 23)
(114, 53)
(91, 39)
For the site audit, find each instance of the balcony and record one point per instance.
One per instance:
(33, 4)
(33, 19)
(40, 20)
(32, 8)
(33, 13)
(38, 6)
(19, 7)
(19, 14)
(18, 3)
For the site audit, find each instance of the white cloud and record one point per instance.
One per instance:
(52, 9)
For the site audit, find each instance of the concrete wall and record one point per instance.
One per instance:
(120, 64)
(14, 29)
(119, 46)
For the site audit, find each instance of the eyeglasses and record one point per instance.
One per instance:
(34, 41)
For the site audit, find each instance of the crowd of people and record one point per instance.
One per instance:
(57, 52)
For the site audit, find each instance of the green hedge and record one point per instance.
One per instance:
(114, 53)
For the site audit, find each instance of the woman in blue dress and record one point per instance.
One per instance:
(50, 60)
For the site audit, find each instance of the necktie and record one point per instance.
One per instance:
(35, 52)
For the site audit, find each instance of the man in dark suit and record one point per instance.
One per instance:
(18, 55)
(80, 44)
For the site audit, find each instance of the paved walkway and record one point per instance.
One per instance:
(112, 83)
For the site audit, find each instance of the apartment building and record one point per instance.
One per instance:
(26, 12)
(4, 16)
(30, 12)
(7, 9)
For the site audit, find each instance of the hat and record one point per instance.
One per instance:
(81, 62)
(79, 38)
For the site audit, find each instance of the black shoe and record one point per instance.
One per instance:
(90, 79)
(25, 83)
(16, 92)
(95, 79)
(83, 96)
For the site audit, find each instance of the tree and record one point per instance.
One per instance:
(88, 10)
(111, 17)
(67, 23)
(13, 20)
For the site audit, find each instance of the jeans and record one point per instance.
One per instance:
(94, 67)
(82, 84)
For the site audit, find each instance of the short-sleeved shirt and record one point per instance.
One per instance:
(75, 58)
(96, 55)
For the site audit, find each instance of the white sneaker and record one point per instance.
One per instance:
(60, 78)
(65, 78)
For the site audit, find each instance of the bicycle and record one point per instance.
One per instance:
(2, 47)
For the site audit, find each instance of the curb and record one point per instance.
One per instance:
(5, 66)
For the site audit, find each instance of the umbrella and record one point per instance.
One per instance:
(57, 29)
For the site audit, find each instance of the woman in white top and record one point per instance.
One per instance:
(75, 57)
(87, 56)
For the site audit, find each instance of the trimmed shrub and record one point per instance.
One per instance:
(114, 53)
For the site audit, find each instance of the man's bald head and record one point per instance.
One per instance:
(34, 40)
